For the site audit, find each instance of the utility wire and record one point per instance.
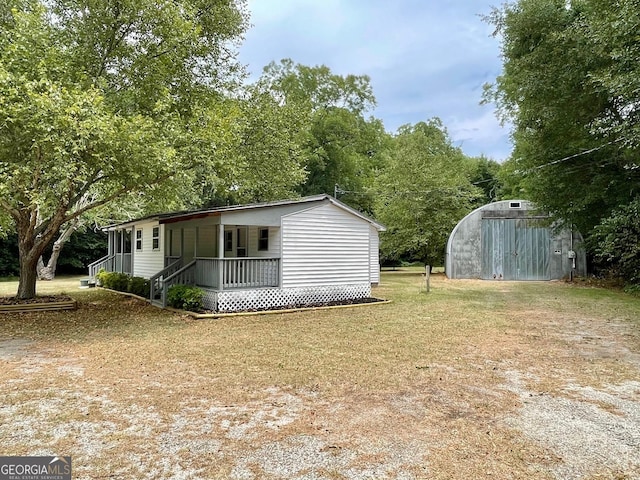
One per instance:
(565, 159)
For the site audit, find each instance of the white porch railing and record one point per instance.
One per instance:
(120, 262)
(184, 276)
(173, 264)
(235, 273)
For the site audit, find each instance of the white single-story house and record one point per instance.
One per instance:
(259, 256)
(513, 240)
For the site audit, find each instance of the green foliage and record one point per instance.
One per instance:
(9, 262)
(612, 30)
(485, 174)
(139, 286)
(570, 87)
(99, 102)
(317, 88)
(114, 280)
(262, 155)
(185, 297)
(122, 282)
(424, 190)
(83, 248)
(616, 243)
(340, 146)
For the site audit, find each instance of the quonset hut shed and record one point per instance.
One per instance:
(510, 240)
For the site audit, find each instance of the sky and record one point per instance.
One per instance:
(425, 58)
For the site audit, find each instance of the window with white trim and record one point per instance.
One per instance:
(228, 241)
(138, 239)
(156, 238)
(263, 239)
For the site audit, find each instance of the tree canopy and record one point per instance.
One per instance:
(97, 101)
(423, 192)
(570, 85)
(569, 114)
(341, 148)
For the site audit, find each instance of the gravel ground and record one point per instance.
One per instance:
(591, 431)
(498, 410)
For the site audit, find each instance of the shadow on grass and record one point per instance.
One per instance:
(101, 314)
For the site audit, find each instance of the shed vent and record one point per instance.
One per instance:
(515, 205)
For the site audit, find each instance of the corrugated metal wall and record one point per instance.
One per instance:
(515, 249)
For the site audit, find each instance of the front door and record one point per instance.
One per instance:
(515, 249)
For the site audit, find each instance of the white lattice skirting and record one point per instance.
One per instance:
(266, 298)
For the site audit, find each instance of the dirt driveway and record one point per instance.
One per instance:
(473, 380)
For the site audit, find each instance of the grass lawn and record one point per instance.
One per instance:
(535, 380)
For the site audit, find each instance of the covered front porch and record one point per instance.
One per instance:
(202, 252)
(216, 274)
(118, 258)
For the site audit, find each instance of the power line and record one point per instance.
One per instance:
(570, 157)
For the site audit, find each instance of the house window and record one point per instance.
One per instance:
(263, 239)
(156, 238)
(242, 242)
(138, 239)
(228, 241)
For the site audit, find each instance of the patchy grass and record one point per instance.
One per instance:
(461, 382)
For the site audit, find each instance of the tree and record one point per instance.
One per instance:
(340, 146)
(317, 88)
(263, 159)
(616, 242)
(572, 104)
(486, 176)
(423, 192)
(98, 100)
(612, 30)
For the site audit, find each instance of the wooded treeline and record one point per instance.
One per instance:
(112, 109)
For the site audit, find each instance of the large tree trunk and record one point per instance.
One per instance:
(48, 271)
(28, 264)
(27, 284)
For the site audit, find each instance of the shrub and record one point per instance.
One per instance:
(139, 286)
(185, 297)
(115, 281)
(124, 283)
(617, 243)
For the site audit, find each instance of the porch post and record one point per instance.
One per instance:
(195, 243)
(132, 258)
(122, 235)
(221, 256)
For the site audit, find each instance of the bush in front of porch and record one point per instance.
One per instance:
(122, 282)
(186, 297)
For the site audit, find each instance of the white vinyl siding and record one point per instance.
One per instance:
(325, 245)
(147, 262)
(374, 255)
(274, 243)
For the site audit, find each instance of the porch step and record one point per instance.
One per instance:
(157, 303)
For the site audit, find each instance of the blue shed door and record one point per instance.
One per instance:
(515, 249)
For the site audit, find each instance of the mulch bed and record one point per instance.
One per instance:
(37, 299)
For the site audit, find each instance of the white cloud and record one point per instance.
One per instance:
(425, 58)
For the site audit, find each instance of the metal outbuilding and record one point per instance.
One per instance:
(511, 240)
